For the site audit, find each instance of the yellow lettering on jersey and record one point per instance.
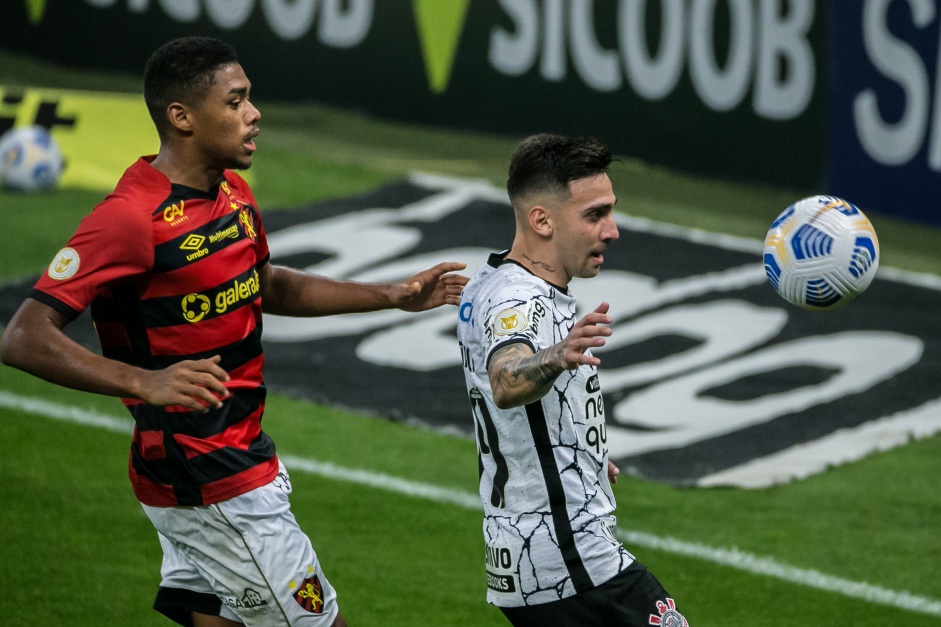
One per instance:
(239, 292)
(174, 213)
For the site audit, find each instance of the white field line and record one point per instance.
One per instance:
(732, 558)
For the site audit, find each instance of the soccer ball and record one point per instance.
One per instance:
(29, 159)
(821, 253)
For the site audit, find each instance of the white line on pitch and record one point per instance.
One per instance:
(732, 558)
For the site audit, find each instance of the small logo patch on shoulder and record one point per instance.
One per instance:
(510, 321)
(64, 265)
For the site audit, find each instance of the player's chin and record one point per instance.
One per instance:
(242, 162)
(590, 270)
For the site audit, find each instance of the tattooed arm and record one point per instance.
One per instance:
(519, 376)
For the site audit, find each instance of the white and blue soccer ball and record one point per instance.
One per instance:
(821, 253)
(30, 159)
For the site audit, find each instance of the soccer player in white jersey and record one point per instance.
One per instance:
(552, 554)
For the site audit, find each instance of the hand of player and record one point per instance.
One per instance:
(431, 288)
(587, 333)
(613, 472)
(196, 384)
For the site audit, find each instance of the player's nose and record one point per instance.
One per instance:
(610, 231)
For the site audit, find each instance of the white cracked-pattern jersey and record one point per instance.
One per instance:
(548, 526)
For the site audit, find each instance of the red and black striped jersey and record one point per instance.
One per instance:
(172, 273)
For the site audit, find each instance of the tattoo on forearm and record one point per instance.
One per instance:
(524, 373)
(544, 265)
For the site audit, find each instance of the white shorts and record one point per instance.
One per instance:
(245, 559)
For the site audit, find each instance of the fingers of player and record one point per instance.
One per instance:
(452, 280)
(200, 400)
(613, 472)
(207, 373)
(210, 389)
(598, 316)
(575, 356)
(592, 330)
(588, 337)
(595, 318)
(436, 272)
(212, 367)
(452, 294)
(448, 266)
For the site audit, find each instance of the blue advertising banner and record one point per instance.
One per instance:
(885, 106)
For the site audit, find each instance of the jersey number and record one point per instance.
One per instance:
(489, 445)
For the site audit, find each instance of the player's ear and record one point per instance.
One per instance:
(179, 117)
(540, 220)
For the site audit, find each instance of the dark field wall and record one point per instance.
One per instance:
(841, 96)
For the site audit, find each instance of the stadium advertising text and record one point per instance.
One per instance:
(885, 100)
(856, 80)
(341, 24)
(548, 35)
(896, 142)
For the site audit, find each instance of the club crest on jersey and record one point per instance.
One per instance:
(309, 595)
(510, 321)
(668, 617)
(64, 265)
(248, 223)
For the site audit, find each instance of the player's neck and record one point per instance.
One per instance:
(539, 261)
(186, 171)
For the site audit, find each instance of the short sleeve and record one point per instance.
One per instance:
(112, 245)
(517, 319)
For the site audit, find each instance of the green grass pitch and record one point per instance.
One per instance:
(77, 549)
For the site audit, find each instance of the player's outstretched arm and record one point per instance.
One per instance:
(519, 376)
(35, 343)
(290, 292)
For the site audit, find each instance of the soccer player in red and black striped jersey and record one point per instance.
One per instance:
(175, 267)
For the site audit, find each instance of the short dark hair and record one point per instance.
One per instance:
(182, 70)
(548, 163)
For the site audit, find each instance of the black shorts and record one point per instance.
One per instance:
(632, 598)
